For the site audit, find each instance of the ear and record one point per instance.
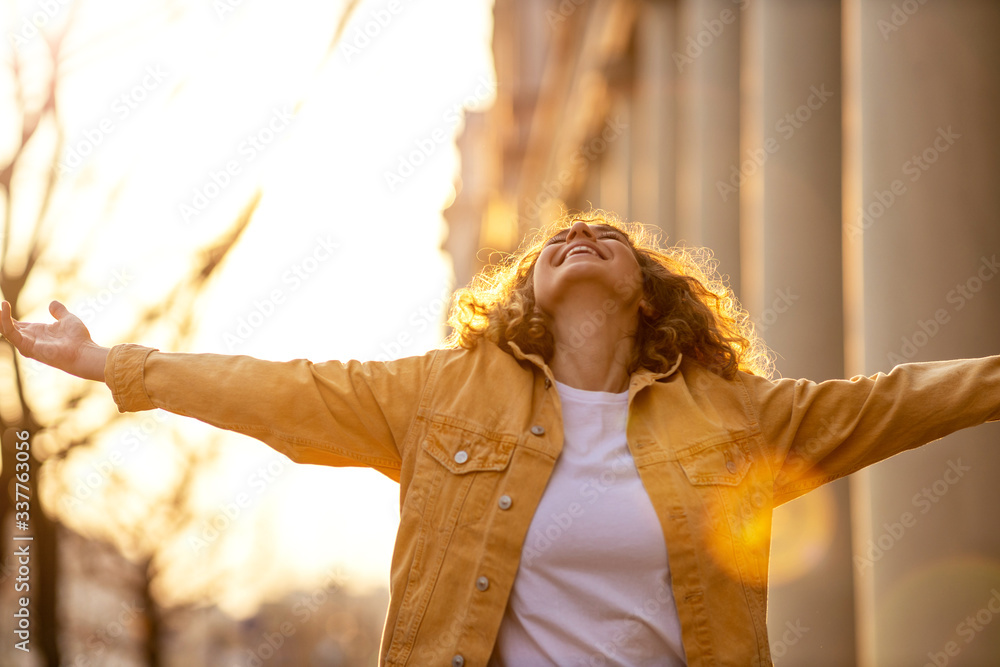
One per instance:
(646, 309)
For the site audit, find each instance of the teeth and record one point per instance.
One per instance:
(581, 248)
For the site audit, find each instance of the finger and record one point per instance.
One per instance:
(10, 332)
(58, 310)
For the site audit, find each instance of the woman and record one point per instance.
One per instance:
(587, 473)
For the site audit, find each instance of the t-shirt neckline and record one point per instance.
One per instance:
(588, 396)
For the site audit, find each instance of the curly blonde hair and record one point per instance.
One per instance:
(693, 310)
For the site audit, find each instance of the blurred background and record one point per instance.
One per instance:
(314, 179)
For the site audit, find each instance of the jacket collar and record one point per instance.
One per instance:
(640, 378)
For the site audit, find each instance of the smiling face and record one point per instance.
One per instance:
(598, 257)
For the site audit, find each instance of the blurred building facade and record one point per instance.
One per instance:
(840, 158)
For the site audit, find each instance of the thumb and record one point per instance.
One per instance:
(58, 310)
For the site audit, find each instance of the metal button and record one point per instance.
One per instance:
(538, 430)
(504, 502)
(548, 383)
(458, 661)
(461, 456)
(482, 583)
(730, 466)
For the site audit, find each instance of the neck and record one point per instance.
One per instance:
(593, 347)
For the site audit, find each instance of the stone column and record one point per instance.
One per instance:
(788, 185)
(921, 228)
(654, 118)
(708, 127)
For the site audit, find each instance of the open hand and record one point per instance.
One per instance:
(64, 344)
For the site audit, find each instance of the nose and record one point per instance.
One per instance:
(580, 229)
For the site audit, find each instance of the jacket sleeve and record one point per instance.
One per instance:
(332, 413)
(819, 432)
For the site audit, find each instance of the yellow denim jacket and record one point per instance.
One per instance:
(472, 437)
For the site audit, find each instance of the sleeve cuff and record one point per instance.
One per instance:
(124, 375)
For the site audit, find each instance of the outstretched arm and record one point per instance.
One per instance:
(819, 432)
(330, 413)
(64, 344)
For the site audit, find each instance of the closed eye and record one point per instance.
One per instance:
(601, 235)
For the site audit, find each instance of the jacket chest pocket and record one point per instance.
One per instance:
(723, 463)
(469, 466)
(731, 493)
(721, 479)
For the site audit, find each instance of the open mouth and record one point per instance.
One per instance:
(580, 249)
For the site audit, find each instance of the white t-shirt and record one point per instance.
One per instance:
(593, 586)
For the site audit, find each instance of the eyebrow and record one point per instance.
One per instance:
(601, 226)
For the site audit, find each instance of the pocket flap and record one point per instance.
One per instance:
(724, 463)
(462, 451)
